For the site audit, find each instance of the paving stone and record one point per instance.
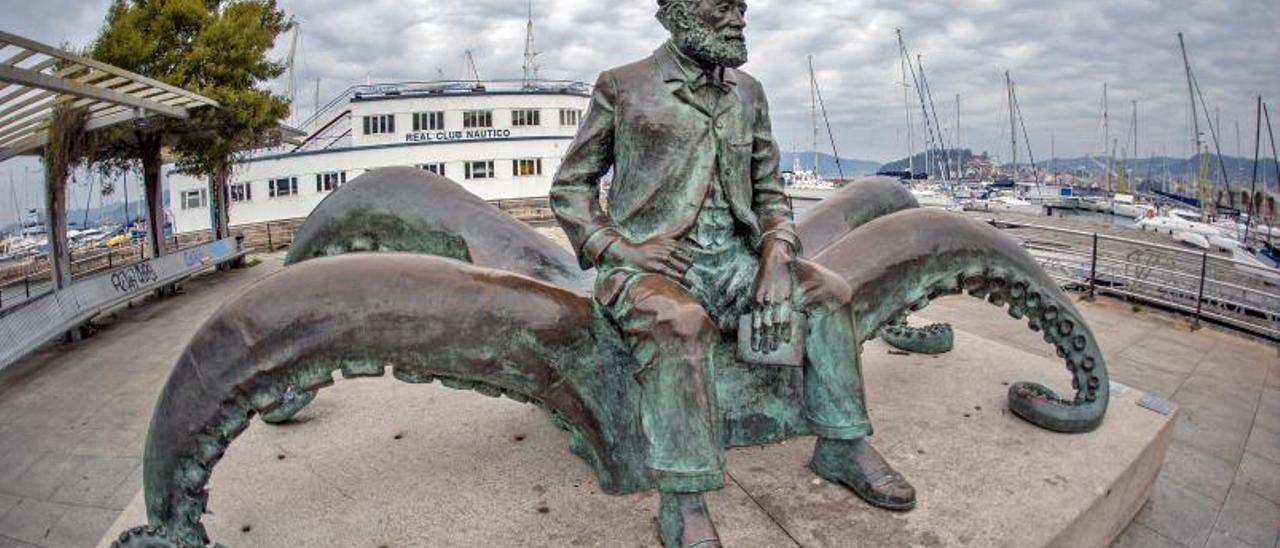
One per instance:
(1198, 471)
(1268, 410)
(1178, 513)
(1225, 401)
(1264, 442)
(1166, 351)
(1261, 475)
(1144, 376)
(80, 526)
(1140, 536)
(95, 481)
(32, 520)
(1250, 518)
(1220, 539)
(105, 442)
(1238, 372)
(7, 502)
(6, 542)
(1211, 434)
(44, 476)
(127, 489)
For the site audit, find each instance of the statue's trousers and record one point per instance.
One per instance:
(673, 330)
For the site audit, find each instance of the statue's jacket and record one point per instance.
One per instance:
(666, 148)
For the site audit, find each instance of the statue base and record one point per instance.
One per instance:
(447, 468)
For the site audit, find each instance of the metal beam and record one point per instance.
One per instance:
(40, 138)
(60, 85)
(20, 57)
(24, 90)
(80, 60)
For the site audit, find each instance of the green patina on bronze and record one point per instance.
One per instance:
(557, 351)
(405, 270)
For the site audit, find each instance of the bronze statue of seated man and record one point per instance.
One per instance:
(697, 235)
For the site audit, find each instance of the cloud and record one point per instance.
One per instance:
(1059, 53)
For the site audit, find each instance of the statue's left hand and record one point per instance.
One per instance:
(771, 316)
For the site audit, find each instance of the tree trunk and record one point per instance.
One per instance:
(55, 208)
(220, 203)
(150, 146)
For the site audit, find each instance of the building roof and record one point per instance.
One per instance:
(35, 78)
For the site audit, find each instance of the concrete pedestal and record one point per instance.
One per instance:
(377, 463)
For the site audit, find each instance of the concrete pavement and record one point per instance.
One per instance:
(72, 418)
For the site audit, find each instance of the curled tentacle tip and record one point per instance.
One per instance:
(1040, 406)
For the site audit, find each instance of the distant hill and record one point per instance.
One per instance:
(827, 164)
(918, 162)
(1238, 169)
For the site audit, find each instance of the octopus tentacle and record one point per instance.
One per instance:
(405, 313)
(855, 204)
(936, 253)
(411, 210)
(937, 338)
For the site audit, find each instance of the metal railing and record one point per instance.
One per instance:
(18, 290)
(1201, 284)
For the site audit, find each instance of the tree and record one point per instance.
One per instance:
(217, 48)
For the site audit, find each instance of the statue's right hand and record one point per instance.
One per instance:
(659, 255)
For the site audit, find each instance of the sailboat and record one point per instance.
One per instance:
(809, 179)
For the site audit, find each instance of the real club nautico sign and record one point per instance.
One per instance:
(468, 135)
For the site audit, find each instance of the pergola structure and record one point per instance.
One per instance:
(35, 78)
(37, 81)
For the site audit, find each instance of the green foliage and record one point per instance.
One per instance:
(217, 48)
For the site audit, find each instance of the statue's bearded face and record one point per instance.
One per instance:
(710, 31)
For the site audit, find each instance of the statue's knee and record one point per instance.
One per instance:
(823, 288)
(688, 323)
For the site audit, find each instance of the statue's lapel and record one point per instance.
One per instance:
(686, 95)
(729, 99)
(677, 81)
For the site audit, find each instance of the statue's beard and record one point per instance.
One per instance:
(708, 47)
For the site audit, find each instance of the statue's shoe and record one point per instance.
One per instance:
(684, 522)
(858, 466)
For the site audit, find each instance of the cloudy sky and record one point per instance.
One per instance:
(1059, 52)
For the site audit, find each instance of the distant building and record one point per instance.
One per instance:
(499, 139)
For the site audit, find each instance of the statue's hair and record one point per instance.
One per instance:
(671, 11)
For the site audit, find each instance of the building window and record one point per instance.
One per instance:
(286, 186)
(437, 168)
(480, 170)
(527, 167)
(241, 192)
(477, 118)
(428, 121)
(326, 182)
(382, 123)
(195, 199)
(525, 118)
(570, 116)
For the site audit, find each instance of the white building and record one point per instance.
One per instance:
(500, 140)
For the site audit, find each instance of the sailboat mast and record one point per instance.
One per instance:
(1135, 134)
(906, 102)
(1195, 120)
(813, 112)
(1106, 136)
(1013, 125)
(1191, 91)
(1253, 185)
(1271, 136)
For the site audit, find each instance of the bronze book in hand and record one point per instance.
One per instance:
(789, 353)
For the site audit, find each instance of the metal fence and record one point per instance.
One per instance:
(1201, 284)
(43, 318)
